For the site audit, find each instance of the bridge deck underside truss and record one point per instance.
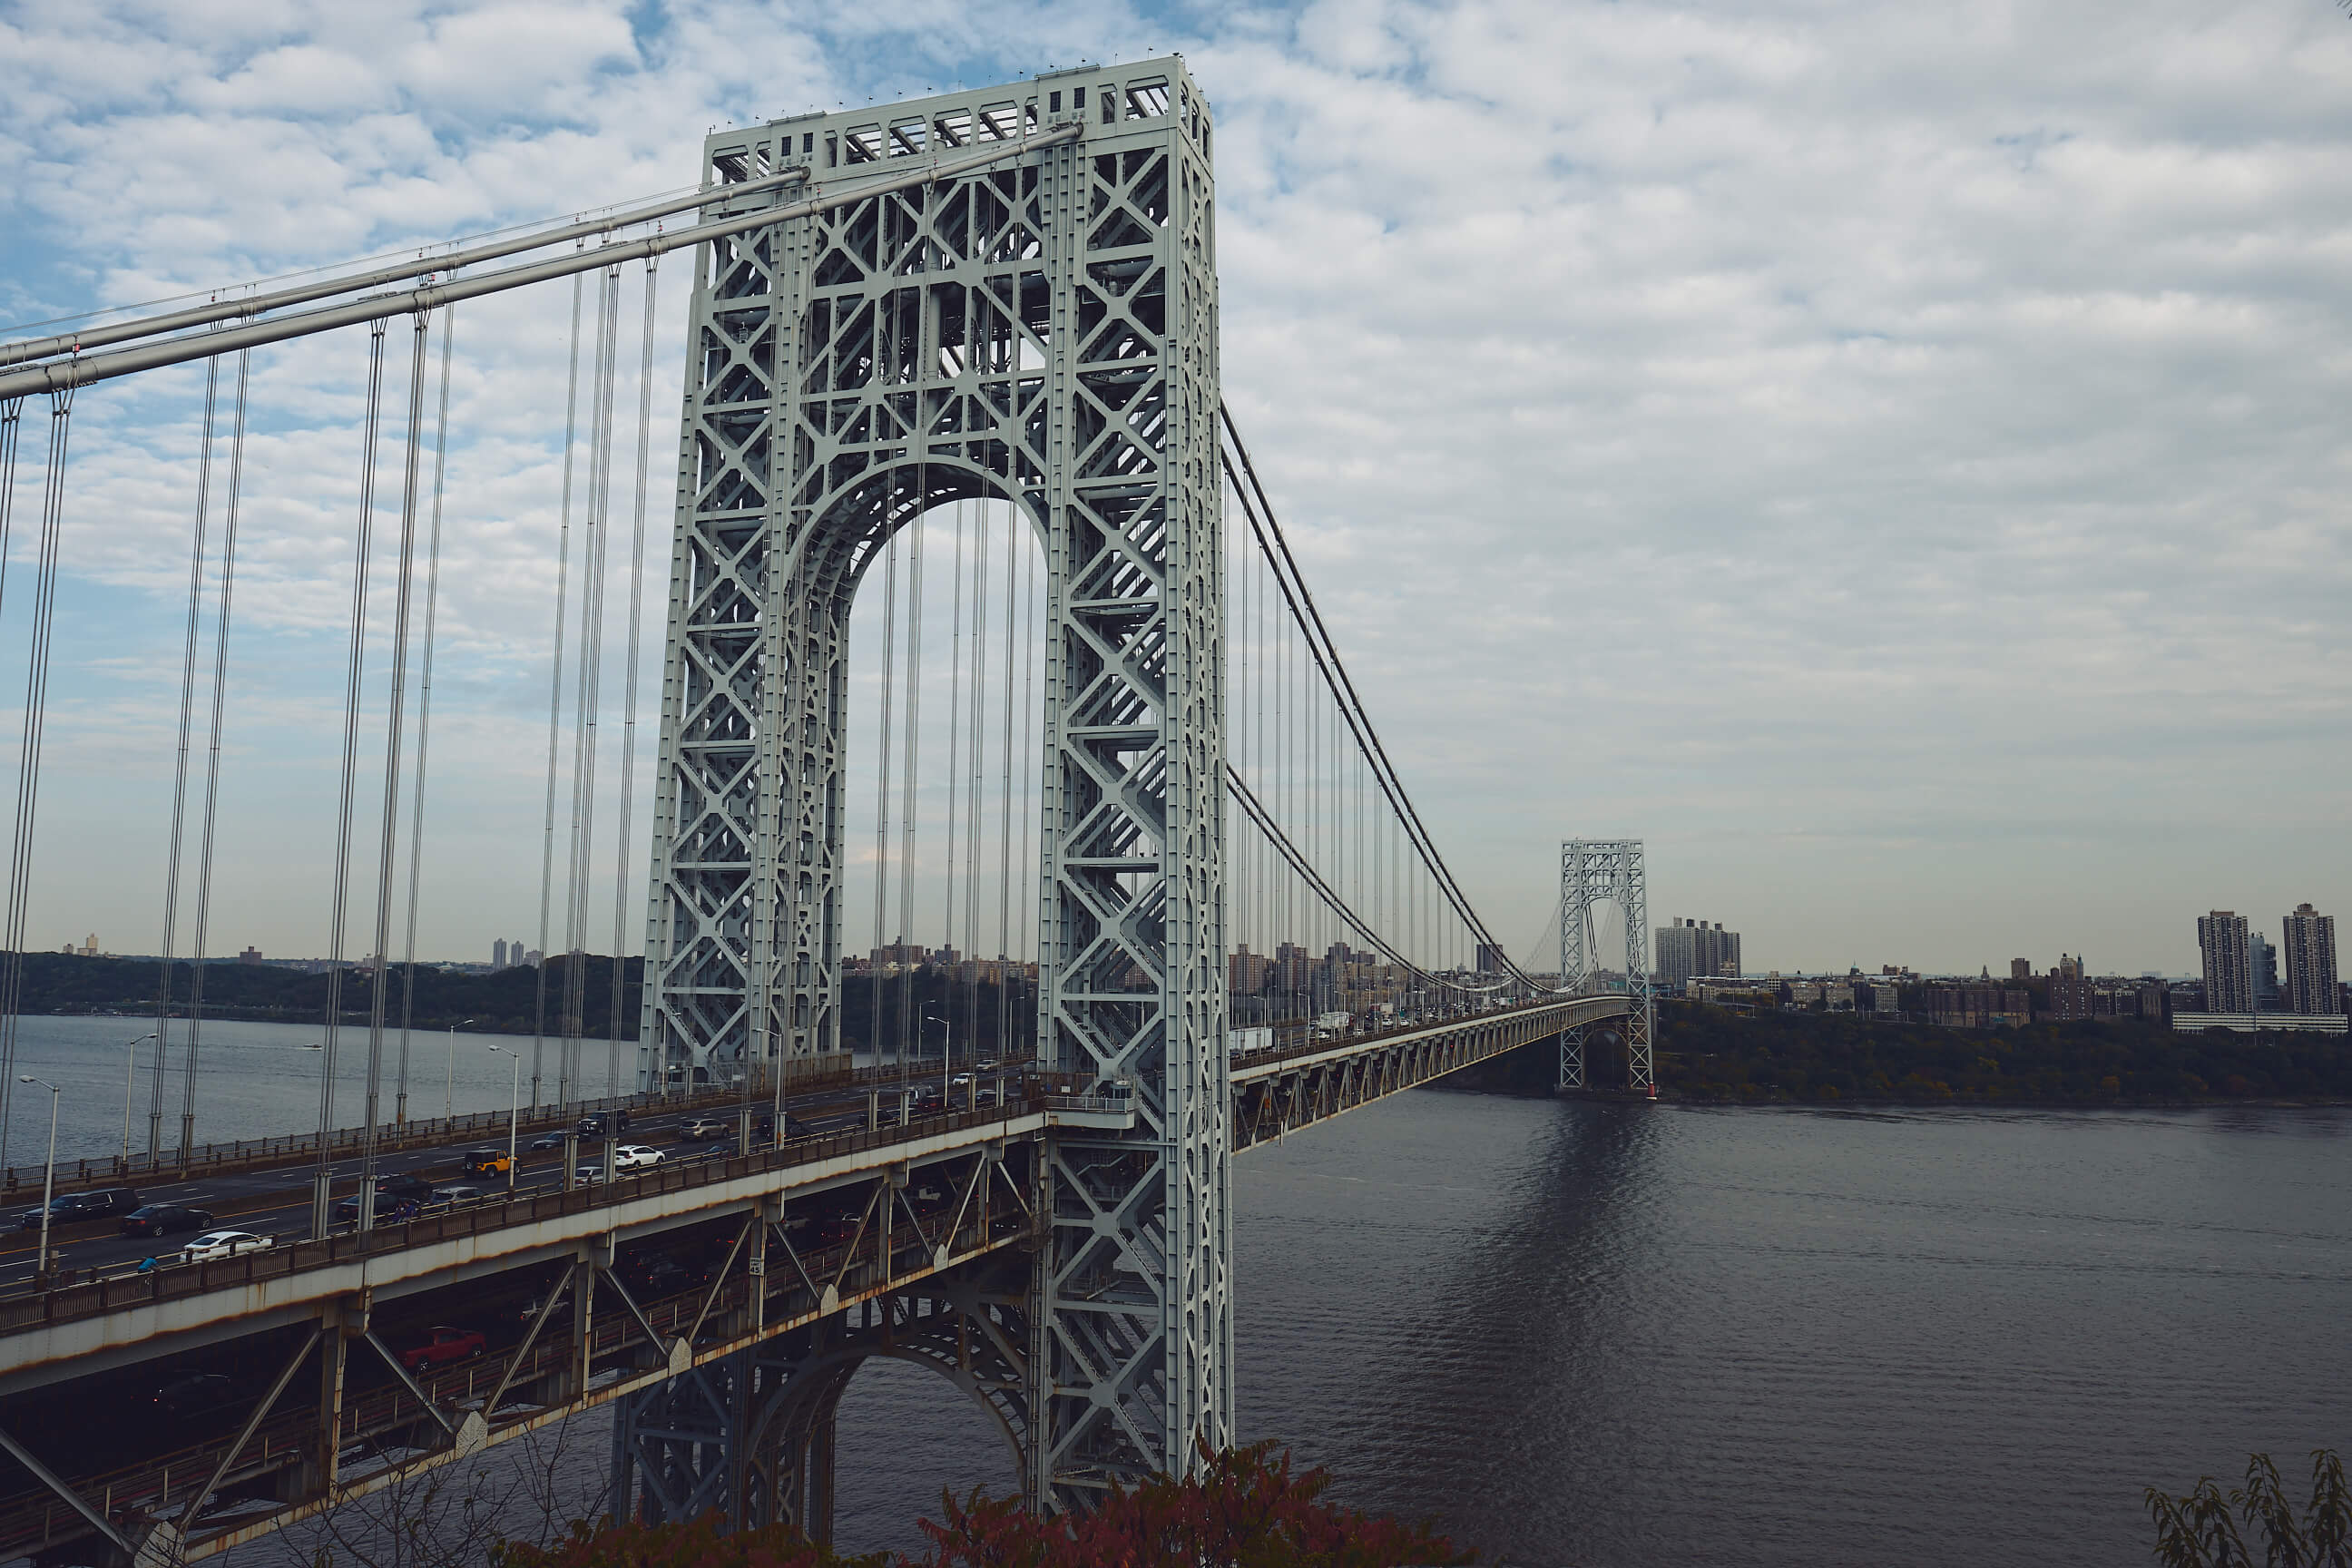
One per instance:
(1043, 334)
(817, 1279)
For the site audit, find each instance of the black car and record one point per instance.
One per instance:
(545, 1141)
(405, 1187)
(592, 1125)
(388, 1209)
(163, 1219)
(793, 1126)
(71, 1208)
(211, 1394)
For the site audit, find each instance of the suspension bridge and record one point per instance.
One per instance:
(959, 353)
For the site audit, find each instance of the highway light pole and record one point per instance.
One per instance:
(130, 1065)
(514, 1102)
(449, 1072)
(947, 1051)
(49, 1175)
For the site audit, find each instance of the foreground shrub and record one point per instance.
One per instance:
(1246, 1508)
(2199, 1528)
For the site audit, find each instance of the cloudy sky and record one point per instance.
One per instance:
(1888, 459)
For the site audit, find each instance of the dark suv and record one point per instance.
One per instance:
(593, 1124)
(71, 1208)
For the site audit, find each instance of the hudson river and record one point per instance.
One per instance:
(1642, 1336)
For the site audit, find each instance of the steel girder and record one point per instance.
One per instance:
(1596, 871)
(1043, 332)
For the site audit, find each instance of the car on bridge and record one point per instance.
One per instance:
(484, 1161)
(636, 1157)
(461, 1193)
(214, 1245)
(703, 1129)
(593, 1124)
(388, 1209)
(163, 1219)
(404, 1186)
(442, 1345)
(544, 1142)
(202, 1394)
(72, 1209)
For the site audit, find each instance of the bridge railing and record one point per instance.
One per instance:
(62, 1303)
(1374, 1036)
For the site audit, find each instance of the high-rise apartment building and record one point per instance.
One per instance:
(2020, 969)
(1492, 960)
(499, 953)
(1689, 949)
(2262, 971)
(2228, 983)
(2310, 961)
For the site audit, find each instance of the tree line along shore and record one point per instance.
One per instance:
(504, 1001)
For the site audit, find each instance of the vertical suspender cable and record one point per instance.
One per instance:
(180, 766)
(395, 726)
(212, 759)
(1030, 808)
(1004, 956)
(979, 767)
(424, 712)
(28, 760)
(955, 756)
(555, 698)
(882, 787)
(907, 797)
(629, 699)
(321, 1187)
(592, 678)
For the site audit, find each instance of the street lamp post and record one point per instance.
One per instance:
(514, 1103)
(947, 1051)
(130, 1068)
(49, 1175)
(449, 1072)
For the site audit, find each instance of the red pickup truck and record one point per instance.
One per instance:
(444, 1345)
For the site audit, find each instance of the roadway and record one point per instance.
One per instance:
(277, 1203)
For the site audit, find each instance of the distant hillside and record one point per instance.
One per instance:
(501, 1004)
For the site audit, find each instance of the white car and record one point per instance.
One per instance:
(219, 1244)
(636, 1157)
(704, 1128)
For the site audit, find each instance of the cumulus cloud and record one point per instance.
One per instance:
(1886, 458)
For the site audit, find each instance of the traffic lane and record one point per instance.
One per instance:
(257, 1203)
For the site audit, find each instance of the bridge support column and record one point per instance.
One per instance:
(1606, 871)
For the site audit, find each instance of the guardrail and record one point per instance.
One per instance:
(1418, 1027)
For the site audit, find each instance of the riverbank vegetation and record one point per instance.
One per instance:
(1710, 1053)
(2206, 1527)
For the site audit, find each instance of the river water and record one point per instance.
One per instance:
(1623, 1336)
(1619, 1336)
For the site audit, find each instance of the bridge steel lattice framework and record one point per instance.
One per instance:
(1595, 871)
(1044, 333)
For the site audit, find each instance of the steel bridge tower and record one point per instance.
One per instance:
(1039, 328)
(1597, 871)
